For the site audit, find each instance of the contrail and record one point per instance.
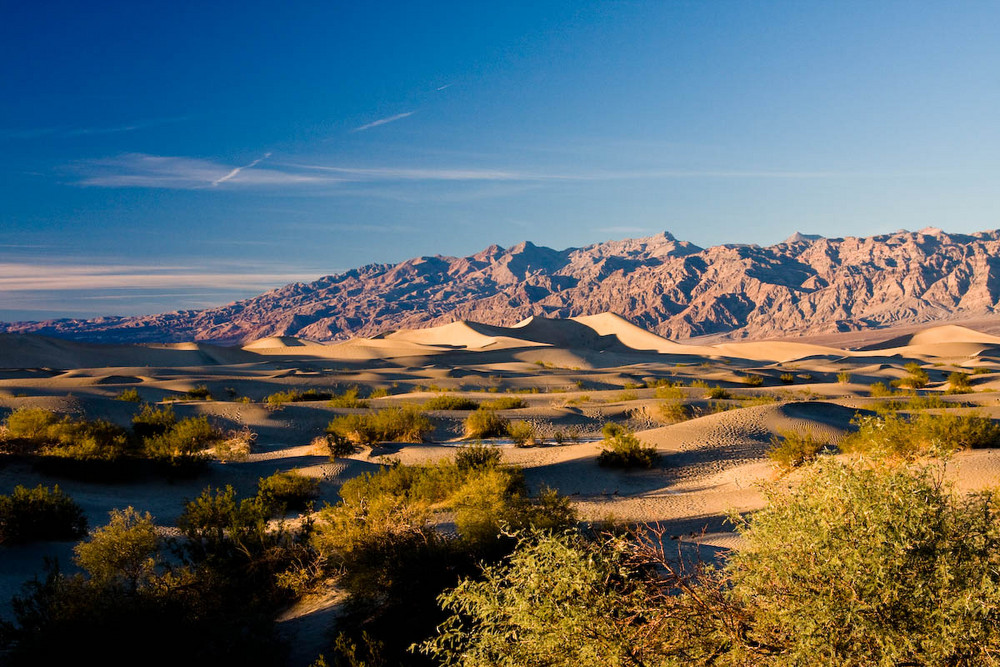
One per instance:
(383, 121)
(239, 169)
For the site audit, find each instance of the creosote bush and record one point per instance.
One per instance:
(718, 393)
(348, 399)
(791, 449)
(392, 424)
(753, 380)
(41, 513)
(505, 403)
(863, 563)
(445, 402)
(279, 398)
(890, 433)
(290, 490)
(523, 433)
(485, 423)
(129, 395)
(621, 449)
(672, 412)
(958, 383)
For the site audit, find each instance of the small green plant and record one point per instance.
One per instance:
(958, 383)
(405, 423)
(289, 490)
(380, 392)
(753, 380)
(843, 377)
(348, 399)
(917, 377)
(787, 378)
(791, 449)
(199, 393)
(880, 390)
(622, 449)
(505, 403)
(444, 402)
(718, 394)
(477, 456)
(39, 514)
(671, 412)
(129, 395)
(523, 433)
(485, 423)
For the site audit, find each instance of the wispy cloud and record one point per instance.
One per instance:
(447, 85)
(406, 174)
(35, 133)
(41, 277)
(384, 121)
(138, 170)
(232, 174)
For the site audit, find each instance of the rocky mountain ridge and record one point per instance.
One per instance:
(806, 284)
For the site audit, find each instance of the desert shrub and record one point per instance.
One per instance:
(627, 395)
(235, 445)
(753, 380)
(917, 377)
(477, 456)
(485, 423)
(981, 370)
(153, 421)
(923, 433)
(444, 402)
(867, 564)
(279, 398)
(199, 393)
(505, 403)
(289, 490)
(880, 390)
(669, 391)
(791, 449)
(348, 399)
(523, 433)
(671, 412)
(621, 449)
(958, 383)
(700, 384)
(31, 515)
(844, 377)
(129, 395)
(718, 393)
(787, 378)
(185, 439)
(88, 440)
(405, 424)
(380, 392)
(122, 552)
(31, 424)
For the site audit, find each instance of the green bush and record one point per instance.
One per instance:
(485, 423)
(621, 449)
(787, 378)
(129, 395)
(669, 391)
(718, 393)
(184, 439)
(958, 383)
(295, 396)
(288, 490)
(753, 380)
(671, 412)
(393, 424)
(505, 403)
(791, 449)
(445, 402)
(477, 456)
(199, 393)
(349, 399)
(523, 433)
(32, 515)
(31, 424)
(917, 377)
(844, 377)
(923, 433)
(153, 421)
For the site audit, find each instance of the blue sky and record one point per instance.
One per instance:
(159, 156)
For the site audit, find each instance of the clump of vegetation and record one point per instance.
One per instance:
(622, 449)
(236, 445)
(981, 370)
(880, 390)
(505, 403)
(923, 433)
(380, 392)
(477, 456)
(485, 423)
(444, 402)
(671, 412)
(843, 377)
(523, 433)
(38, 431)
(288, 490)
(183, 440)
(791, 449)
(199, 393)
(38, 514)
(129, 395)
(280, 398)
(787, 378)
(862, 563)
(717, 393)
(958, 383)
(917, 377)
(348, 399)
(700, 384)
(669, 391)
(392, 424)
(627, 395)
(753, 380)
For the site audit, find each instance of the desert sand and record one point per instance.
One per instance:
(574, 376)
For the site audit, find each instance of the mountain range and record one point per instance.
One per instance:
(805, 284)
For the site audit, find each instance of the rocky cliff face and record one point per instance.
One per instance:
(806, 284)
